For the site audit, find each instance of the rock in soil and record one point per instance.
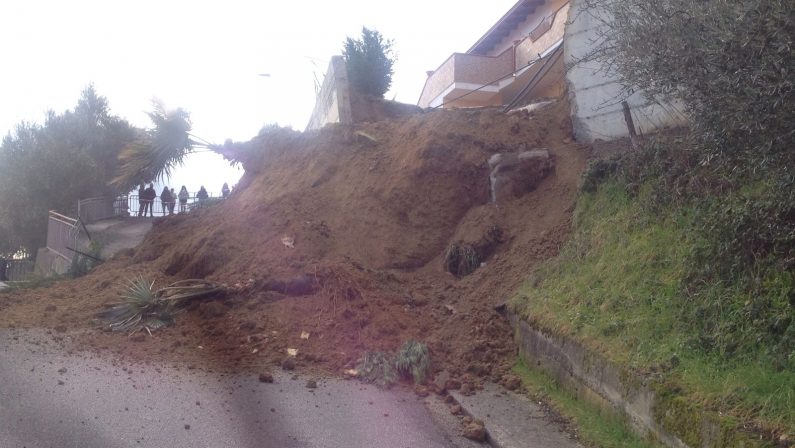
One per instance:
(288, 364)
(311, 384)
(421, 391)
(475, 431)
(265, 378)
(511, 382)
(455, 409)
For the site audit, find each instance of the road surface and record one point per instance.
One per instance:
(49, 398)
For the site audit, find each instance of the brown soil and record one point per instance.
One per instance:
(371, 221)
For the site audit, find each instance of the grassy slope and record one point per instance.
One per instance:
(617, 287)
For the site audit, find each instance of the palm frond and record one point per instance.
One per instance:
(142, 306)
(156, 152)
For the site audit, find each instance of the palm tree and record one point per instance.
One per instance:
(158, 150)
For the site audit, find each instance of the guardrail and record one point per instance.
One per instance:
(62, 233)
(134, 205)
(94, 209)
(19, 270)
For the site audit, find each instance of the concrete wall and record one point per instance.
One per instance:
(595, 95)
(591, 377)
(528, 49)
(333, 103)
(530, 23)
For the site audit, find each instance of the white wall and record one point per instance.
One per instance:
(596, 96)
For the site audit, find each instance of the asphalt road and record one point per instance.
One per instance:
(49, 398)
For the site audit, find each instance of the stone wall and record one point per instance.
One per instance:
(333, 103)
(595, 95)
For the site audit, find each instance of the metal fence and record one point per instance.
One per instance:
(95, 209)
(131, 205)
(19, 270)
(62, 234)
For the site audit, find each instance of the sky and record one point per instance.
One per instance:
(206, 57)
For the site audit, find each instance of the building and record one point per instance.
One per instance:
(518, 59)
(541, 49)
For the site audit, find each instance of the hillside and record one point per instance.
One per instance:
(372, 211)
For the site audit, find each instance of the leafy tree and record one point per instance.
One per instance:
(49, 167)
(369, 61)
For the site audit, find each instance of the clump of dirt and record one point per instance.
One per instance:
(334, 244)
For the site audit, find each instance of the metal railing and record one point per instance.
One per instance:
(95, 209)
(62, 234)
(134, 205)
(19, 270)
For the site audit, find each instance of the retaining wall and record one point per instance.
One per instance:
(650, 411)
(595, 94)
(333, 103)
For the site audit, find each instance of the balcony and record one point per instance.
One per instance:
(462, 74)
(473, 80)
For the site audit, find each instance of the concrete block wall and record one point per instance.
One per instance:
(596, 95)
(333, 103)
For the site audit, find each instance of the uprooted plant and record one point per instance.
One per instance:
(383, 369)
(461, 259)
(142, 307)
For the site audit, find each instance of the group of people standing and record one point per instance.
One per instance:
(168, 198)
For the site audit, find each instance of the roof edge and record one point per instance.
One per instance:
(505, 17)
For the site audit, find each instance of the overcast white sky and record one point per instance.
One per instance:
(205, 57)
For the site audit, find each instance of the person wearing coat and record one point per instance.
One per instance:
(183, 199)
(141, 200)
(202, 196)
(165, 199)
(149, 200)
(173, 202)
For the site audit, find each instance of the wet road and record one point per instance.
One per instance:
(49, 398)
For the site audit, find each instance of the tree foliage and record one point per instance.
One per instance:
(46, 167)
(369, 61)
(731, 62)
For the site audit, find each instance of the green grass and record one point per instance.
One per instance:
(595, 427)
(617, 287)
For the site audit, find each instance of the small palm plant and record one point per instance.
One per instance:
(377, 368)
(144, 307)
(384, 369)
(413, 361)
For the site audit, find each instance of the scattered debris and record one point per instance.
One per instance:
(289, 242)
(292, 352)
(304, 335)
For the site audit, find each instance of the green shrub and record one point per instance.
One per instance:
(369, 61)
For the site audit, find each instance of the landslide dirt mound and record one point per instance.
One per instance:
(371, 210)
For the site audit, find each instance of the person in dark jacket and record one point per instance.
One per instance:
(141, 200)
(149, 196)
(225, 190)
(165, 200)
(202, 196)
